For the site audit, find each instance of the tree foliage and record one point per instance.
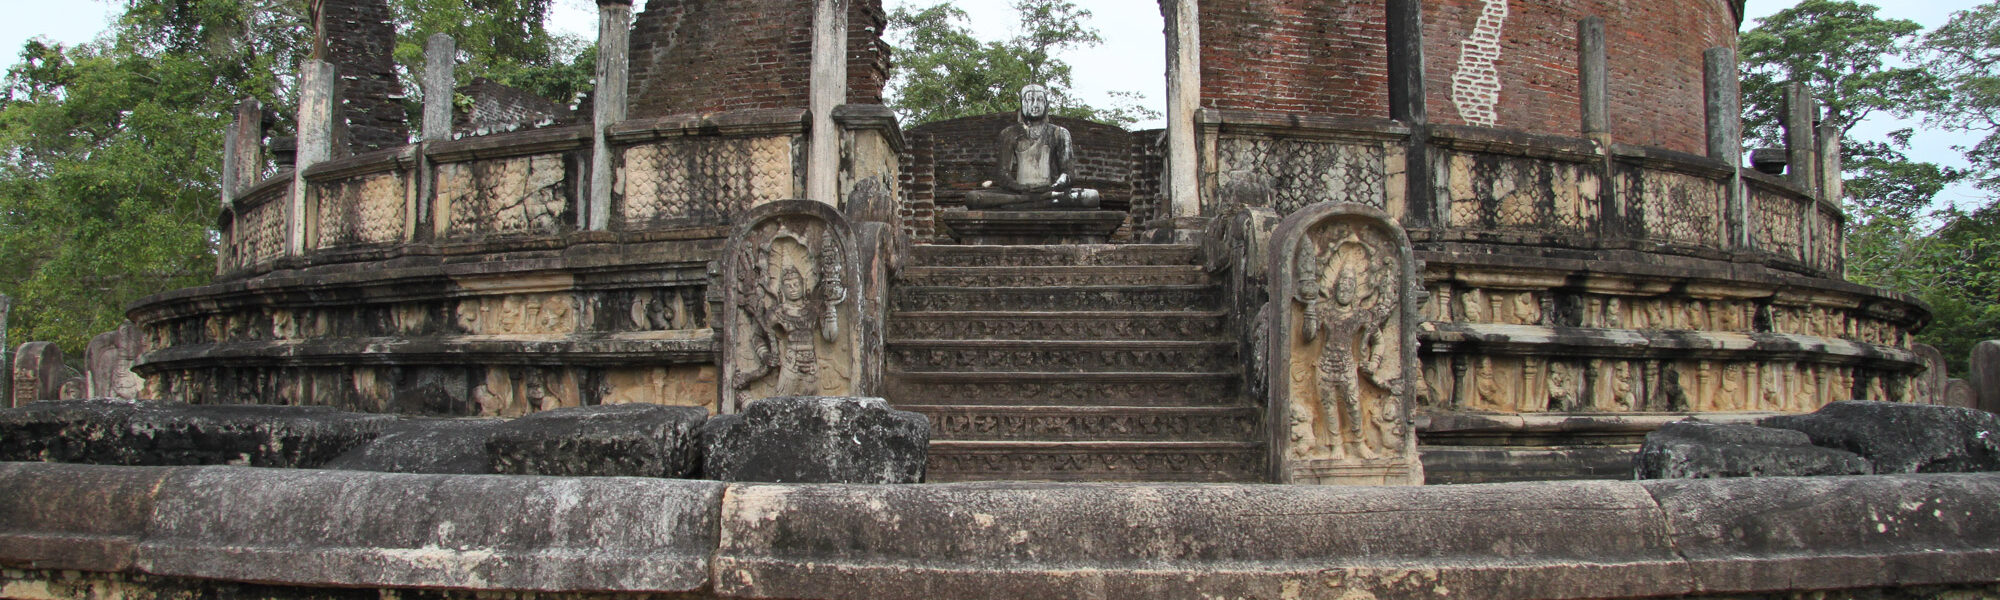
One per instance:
(944, 72)
(502, 40)
(110, 151)
(1860, 65)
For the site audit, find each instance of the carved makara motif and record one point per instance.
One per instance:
(791, 305)
(1343, 368)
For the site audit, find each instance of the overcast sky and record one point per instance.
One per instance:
(1132, 58)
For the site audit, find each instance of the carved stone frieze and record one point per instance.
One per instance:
(1062, 357)
(1298, 173)
(988, 425)
(1489, 191)
(509, 196)
(518, 314)
(701, 180)
(1057, 299)
(1122, 393)
(971, 326)
(1164, 463)
(1343, 374)
(791, 314)
(362, 210)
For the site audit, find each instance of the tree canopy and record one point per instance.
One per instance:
(1898, 235)
(943, 71)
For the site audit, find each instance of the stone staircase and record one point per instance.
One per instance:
(1071, 363)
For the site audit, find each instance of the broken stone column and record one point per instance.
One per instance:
(1985, 375)
(38, 372)
(1724, 86)
(1594, 76)
(1343, 368)
(608, 103)
(317, 104)
(440, 63)
(1801, 121)
(791, 317)
(243, 149)
(1183, 99)
(108, 363)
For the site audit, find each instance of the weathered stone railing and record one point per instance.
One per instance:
(1793, 227)
(75, 532)
(685, 176)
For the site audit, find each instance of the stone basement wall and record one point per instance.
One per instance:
(692, 56)
(359, 40)
(1494, 63)
(72, 531)
(944, 159)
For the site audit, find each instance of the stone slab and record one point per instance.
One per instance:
(1959, 393)
(1693, 449)
(816, 440)
(1904, 438)
(117, 432)
(626, 440)
(1544, 540)
(74, 516)
(440, 446)
(1785, 533)
(345, 528)
(1031, 227)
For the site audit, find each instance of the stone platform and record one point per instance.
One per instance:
(1031, 227)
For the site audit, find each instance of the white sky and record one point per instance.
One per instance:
(1132, 58)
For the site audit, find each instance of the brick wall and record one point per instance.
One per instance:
(1654, 48)
(717, 55)
(1330, 58)
(359, 41)
(1302, 56)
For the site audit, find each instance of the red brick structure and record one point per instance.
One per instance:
(1330, 59)
(696, 56)
(357, 37)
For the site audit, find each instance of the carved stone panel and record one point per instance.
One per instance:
(701, 181)
(1343, 362)
(109, 360)
(361, 211)
(792, 306)
(522, 195)
(1300, 172)
(38, 372)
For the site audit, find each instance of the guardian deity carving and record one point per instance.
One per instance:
(790, 305)
(1343, 365)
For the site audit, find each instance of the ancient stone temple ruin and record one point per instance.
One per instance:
(1377, 242)
(1594, 261)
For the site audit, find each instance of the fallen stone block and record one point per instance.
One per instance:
(1904, 438)
(1693, 449)
(432, 446)
(817, 440)
(117, 432)
(624, 440)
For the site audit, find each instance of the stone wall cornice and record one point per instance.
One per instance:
(510, 144)
(1514, 143)
(1227, 121)
(400, 158)
(751, 122)
(1586, 539)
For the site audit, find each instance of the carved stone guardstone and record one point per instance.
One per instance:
(792, 307)
(1018, 227)
(108, 363)
(1343, 369)
(1929, 386)
(38, 372)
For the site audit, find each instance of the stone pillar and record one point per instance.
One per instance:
(317, 84)
(243, 149)
(38, 372)
(1830, 185)
(614, 35)
(1801, 120)
(1183, 185)
(1407, 103)
(1984, 375)
(6, 395)
(1593, 75)
(440, 81)
(1724, 86)
(829, 90)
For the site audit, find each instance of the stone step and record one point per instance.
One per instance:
(952, 460)
(1057, 299)
(945, 255)
(1091, 423)
(1053, 276)
(1032, 325)
(1051, 355)
(1069, 389)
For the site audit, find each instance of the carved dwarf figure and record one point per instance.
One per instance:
(1037, 164)
(1351, 316)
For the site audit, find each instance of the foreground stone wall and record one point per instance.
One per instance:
(80, 531)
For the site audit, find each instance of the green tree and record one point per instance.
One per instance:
(506, 41)
(943, 72)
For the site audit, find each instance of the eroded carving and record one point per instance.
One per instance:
(1343, 368)
(791, 319)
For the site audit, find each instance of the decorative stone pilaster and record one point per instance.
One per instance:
(793, 307)
(1343, 370)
